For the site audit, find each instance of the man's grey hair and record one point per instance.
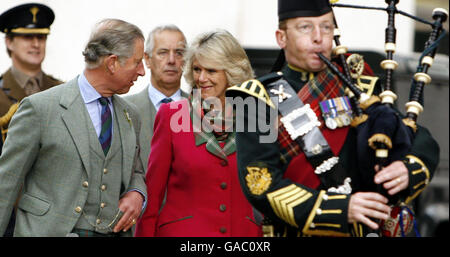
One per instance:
(150, 43)
(111, 37)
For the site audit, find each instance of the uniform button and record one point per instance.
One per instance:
(98, 221)
(222, 207)
(105, 171)
(103, 187)
(102, 205)
(78, 209)
(223, 163)
(223, 230)
(85, 184)
(223, 185)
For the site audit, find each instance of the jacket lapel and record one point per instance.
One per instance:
(15, 91)
(146, 124)
(47, 82)
(76, 123)
(127, 137)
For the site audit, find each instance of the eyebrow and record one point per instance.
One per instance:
(167, 49)
(310, 21)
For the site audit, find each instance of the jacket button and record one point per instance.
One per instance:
(85, 184)
(98, 221)
(78, 209)
(103, 187)
(102, 205)
(105, 171)
(223, 185)
(223, 163)
(222, 207)
(223, 230)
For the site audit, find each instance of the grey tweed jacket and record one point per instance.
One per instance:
(47, 150)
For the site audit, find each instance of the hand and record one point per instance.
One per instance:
(131, 206)
(394, 177)
(365, 205)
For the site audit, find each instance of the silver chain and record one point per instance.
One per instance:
(108, 227)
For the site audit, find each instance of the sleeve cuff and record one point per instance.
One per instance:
(144, 204)
(328, 216)
(419, 176)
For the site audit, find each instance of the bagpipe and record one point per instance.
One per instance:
(383, 135)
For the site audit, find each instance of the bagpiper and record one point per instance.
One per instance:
(306, 180)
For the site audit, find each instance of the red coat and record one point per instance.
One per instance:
(204, 197)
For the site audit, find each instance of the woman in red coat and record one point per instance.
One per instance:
(192, 178)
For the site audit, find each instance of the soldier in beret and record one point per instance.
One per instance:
(305, 180)
(26, 28)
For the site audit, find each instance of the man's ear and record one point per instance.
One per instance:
(147, 60)
(281, 37)
(110, 63)
(8, 43)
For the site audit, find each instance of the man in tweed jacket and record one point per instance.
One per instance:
(70, 186)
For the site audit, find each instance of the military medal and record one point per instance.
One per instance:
(336, 112)
(330, 123)
(346, 120)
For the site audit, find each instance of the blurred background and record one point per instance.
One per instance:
(253, 23)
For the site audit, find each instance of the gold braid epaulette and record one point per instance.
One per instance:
(366, 83)
(255, 88)
(4, 120)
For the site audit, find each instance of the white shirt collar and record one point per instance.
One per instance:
(156, 96)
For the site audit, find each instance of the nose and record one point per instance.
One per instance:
(141, 70)
(317, 35)
(171, 57)
(203, 77)
(35, 41)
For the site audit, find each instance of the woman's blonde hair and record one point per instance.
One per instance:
(224, 51)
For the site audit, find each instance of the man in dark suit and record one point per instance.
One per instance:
(26, 27)
(164, 50)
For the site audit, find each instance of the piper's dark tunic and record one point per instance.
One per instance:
(287, 190)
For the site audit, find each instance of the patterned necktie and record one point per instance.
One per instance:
(106, 131)
(166, 100)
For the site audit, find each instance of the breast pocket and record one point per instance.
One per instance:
(33, 205)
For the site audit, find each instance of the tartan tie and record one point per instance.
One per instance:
(166, 100)
(106, 131)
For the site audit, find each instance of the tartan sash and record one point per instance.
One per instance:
(323, 86)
